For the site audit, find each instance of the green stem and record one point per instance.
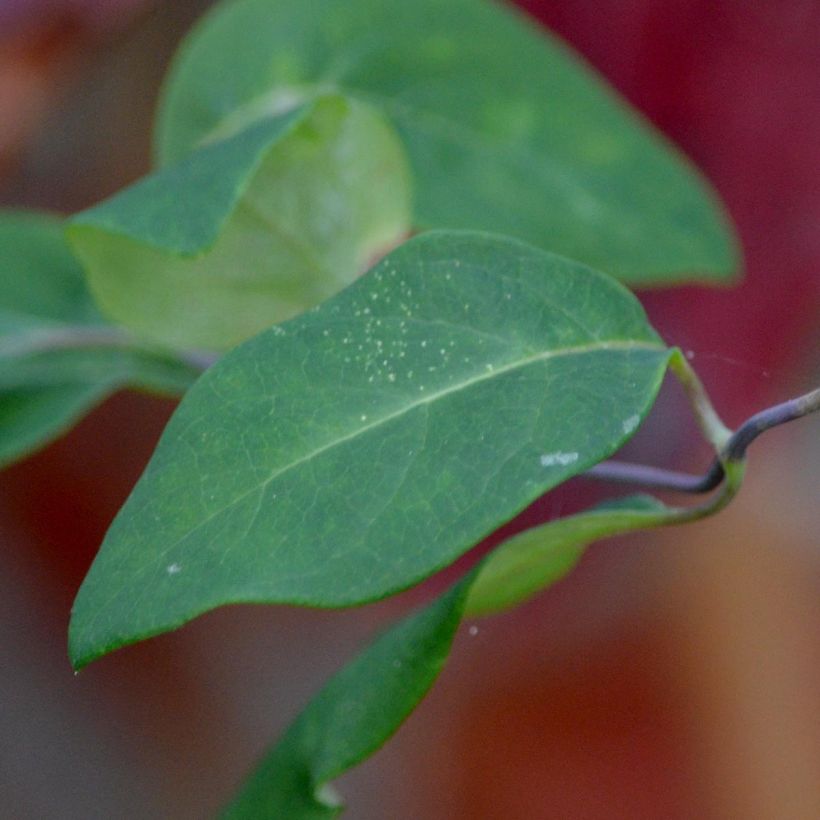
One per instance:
(710, 422)
(734, 451)
(88, 337)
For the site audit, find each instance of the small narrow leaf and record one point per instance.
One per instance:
(536, 558)
(507, 129)
(357, 449)
(355, 713)
(250, 230)
(57, 356)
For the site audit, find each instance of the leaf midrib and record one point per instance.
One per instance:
(622, 344)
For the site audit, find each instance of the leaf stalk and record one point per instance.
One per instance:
(733, 452)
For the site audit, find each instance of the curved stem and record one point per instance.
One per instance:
(85, 337)
(68, 337)
(796, 408)
(733, 452)
(733, 475)
(710, 422)
(657, 478)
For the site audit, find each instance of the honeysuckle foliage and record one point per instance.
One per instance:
(249, 230)
(534, 559)
(356, 449)
(58, 356)
(506, 129)
(258, 212)
(347, 429)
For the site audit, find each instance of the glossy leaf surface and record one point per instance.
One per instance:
(57, 355)
(250, 230)
(355, 713)
(357, 449)
(507, 129)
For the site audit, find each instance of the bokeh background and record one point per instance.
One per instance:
(673, 675)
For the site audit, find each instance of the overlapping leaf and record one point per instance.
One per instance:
(362, 446)
(506, 129)
(249, 230)
(57, 355)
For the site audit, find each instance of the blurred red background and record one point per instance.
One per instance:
(672, 675)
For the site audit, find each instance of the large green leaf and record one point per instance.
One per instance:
(355, 713)
(362, 446)
(57, 356)
(506, 128)
(249, 230)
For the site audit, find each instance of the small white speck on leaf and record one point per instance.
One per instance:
(173, 569)
(631, 424)
(561, 459)
(473, 631)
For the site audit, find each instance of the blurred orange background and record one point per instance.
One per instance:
(673, 675)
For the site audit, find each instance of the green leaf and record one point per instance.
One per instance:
(355, 713)
(369, 699)
(506, 128)
(57, 356)
(364, 445)
(536, 558)
(250, 230)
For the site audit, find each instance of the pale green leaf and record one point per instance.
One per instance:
(57, 355)
(507, 129)
(249, 230)
(534, 559)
